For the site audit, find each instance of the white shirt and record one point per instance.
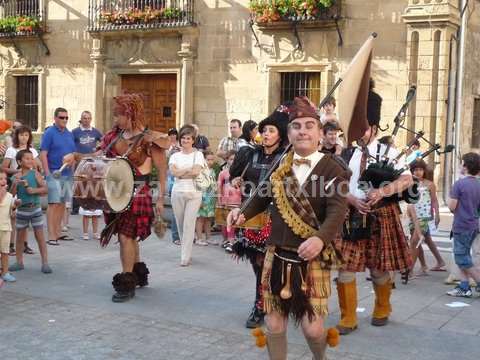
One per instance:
(11, 154)
(303, 171)
(356, 160)
(185, 161)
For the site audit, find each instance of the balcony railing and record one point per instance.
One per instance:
(268, 13)
(21, 18)
(114, 15)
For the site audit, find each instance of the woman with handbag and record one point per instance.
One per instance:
(186, 165)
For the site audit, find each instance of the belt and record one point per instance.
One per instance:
(143, 178)
(29, 206)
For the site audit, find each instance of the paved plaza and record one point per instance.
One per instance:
(198, 312)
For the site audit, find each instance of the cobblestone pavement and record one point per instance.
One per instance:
(199, 312)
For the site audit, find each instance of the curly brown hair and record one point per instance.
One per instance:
(131, 105)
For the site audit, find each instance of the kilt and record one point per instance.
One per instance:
(135, 222)
(387, 250)
(315, 300)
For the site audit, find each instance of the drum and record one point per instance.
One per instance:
(255, 223)
(104, 183)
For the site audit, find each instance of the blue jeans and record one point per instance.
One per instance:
(462, 248)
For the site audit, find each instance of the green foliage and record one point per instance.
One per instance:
(19, 24)
(275, 10)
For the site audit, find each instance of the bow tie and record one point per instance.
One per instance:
(301, 161)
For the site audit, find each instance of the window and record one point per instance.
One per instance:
(476, 124)
(300, 84)
(27, 101)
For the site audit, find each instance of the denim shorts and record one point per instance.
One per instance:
(59, 190)
(462, 248)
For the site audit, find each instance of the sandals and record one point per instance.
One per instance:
(176, 242)
(28, 250)
(53, 242)
(65, 238)
(442, 268)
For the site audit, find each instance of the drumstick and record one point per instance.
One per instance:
(58, 173)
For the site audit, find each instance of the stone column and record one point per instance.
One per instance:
(186, 84)
(98, 58)
(430, 26)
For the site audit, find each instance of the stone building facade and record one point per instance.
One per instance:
(209, 63)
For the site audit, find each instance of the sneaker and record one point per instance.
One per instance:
(28, 250)
(86, 237)
(65, 228)
(16, 267)
(459, 292)
(8, 277)
(212, 242)
(46, 269)
(12, 251)
(228, 248)
(202, 243)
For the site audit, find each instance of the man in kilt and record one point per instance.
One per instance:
(144, 149)
(305, 198)
(373, 236)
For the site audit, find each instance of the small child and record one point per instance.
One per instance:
(28, 184)
(228, 195)
(88, 215)
(7, 211)
(421, 214)
(206, 212)
(464, 203)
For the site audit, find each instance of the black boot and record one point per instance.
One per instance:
(124, 285)
(141, 271)
(255, 319)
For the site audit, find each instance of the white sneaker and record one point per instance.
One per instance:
(8, 277)
(459, 292)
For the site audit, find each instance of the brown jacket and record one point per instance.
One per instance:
(330, 210)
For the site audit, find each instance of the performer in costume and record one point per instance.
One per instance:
(306, 191)
(376, 239)
(144, 149)
(249, 167)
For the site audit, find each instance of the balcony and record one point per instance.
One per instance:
(21, 18)
(281, 14)
(122, 15)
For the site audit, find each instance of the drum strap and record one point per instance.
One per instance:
(109, 147)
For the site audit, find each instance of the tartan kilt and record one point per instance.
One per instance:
(316, 296)
(136, 222)
(387, 250)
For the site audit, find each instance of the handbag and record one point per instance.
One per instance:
(357, 226)
(203, 181)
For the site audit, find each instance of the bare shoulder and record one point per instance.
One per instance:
(158, 138)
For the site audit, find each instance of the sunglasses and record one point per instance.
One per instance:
(63, 117)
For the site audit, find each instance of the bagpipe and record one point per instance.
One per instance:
(381, 170)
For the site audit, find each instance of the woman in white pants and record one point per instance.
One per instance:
(185, 165)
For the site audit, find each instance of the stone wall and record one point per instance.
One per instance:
(65, 76)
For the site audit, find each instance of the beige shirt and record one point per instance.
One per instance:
(303, 171)
(5, 208)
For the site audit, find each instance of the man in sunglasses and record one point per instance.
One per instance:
(57, 141)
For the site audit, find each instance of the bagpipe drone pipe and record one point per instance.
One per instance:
(382, 171)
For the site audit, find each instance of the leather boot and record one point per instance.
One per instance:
(347, 300)
(277, 345)
(382, 309)
(255, 319)
(124, 285)
(318, 346)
